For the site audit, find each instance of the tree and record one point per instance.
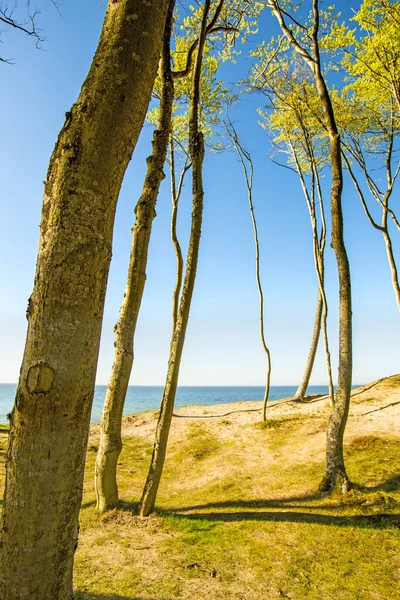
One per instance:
(196, 153)
(110, 445)
(368, 110)
(295, 120)
(50, 419)
(246, 161)
(376, 51)
(369, 137)
(171, 121)
(304, 40)
(231, 19)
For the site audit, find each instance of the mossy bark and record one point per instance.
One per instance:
(50, 419)
(196, 151)
(110, 445)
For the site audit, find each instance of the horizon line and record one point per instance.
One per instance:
(208, 385)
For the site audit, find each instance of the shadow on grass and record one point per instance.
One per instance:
(287, 505)
(287, 513)
(390, 485)
(88, 504)
(89, 596)
(378, 520)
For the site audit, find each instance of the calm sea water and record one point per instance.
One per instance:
(140, 398)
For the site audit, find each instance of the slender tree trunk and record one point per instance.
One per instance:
(50, 419)
(174, 237)
(335, 475)
(383, 228)
(321, 316)
(302, 389)
(321, 275)
(110, 428)
(248, 171)
(196, 151)
(392, 266)
(388, 242)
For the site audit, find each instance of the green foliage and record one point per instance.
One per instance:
(236, 21)
(377, 49)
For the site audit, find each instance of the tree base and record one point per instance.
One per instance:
(337, 483)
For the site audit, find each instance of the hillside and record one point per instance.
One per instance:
(238, 516)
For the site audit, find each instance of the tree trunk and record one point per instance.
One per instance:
(196, 151)
(302, 389)
(110, 428)
(389, 247)
(336, 476)
(246, 161)
(50, 419)
(392, 266)
(174, 236)
(321, 316)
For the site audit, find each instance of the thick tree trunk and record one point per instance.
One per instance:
(196, 151)
(50, 419)
(302, 389)
(110, 428)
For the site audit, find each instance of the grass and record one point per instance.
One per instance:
(238, 517)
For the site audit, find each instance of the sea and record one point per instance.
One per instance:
(140, 398)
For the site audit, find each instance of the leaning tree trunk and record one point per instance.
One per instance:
(302, 389)
(196, 151)
(50, 419)
(110, 428)
(321, 314)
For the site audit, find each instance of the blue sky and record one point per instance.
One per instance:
(222, 343)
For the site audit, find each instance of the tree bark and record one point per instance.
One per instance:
(335, 474)
(392, 266)
(196, 152)
(110, 428)
(175, 194)
(302, 389)
(50, 419)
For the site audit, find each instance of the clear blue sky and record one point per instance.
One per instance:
(222, 343)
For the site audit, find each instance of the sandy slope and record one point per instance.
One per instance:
(375, 409)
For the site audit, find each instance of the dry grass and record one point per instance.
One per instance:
(238, 517)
